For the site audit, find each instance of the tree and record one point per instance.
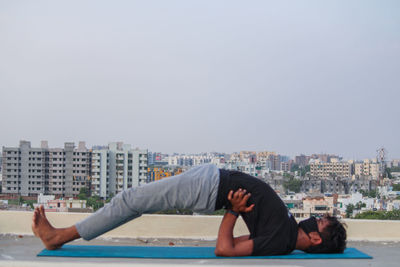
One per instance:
(20, 200)
(302, 171)
(349, 210)
(287, 175)
(360, 205)
(83, 193)
(372, 193)
(293, 185)
(95, 202)
(294, 168)
(379, 215)
(396, 187)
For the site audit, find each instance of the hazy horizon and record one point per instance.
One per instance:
(189, 77)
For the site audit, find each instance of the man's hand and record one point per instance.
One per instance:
(239, 201)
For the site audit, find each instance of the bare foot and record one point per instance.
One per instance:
(43, 229)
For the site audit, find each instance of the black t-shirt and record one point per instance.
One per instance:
(271, 226)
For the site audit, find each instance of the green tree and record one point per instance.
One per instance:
(372, 193)
(394, 169)
(379, 215)
(83, 193)
(109, 198)
(30, 203)
(287, 175)
(95, 202)
(294, 168)
(396, 187)
(360, 205)
(292, 184)
(349, 210)
(302, 171)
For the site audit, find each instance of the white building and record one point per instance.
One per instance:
(116, 168)
(367, 168)
(345, 200)
(327, 169)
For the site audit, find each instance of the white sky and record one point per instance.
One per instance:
(196, 76)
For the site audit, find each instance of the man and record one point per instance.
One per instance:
(273, 230)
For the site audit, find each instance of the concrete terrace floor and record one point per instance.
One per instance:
(21, 250)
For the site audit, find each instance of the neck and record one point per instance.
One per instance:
(303, 241)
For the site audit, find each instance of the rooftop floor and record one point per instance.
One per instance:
(21, 250)
(18, 247)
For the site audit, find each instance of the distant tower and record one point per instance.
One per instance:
(381, 158)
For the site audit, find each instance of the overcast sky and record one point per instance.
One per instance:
(200, 76)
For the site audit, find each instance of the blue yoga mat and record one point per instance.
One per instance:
(180, 253)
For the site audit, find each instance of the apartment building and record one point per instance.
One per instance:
(316, 186)
(367, 168)
(302, 160)
(116, 168)
(319, 205)
(329, 169)
(190, 160)
(30, 171)
(153, 158)
(286, 166)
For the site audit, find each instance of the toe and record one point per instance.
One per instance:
(42, 211)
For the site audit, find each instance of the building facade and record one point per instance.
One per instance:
(30, 171)
(367, 168)
(116, 168)
(334, 168)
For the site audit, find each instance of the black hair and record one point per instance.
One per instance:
(333, 237)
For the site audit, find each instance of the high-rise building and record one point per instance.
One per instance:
(367, 168)
(117, 168)
(326, 157)
(302, 160)
(395, 163)
(330, 169)
(30, 171)
(274, 162)
(286, 166)
(153, 158)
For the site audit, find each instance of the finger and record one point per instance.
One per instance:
(250, 208)
(42, 210)
(236, 194)
(246, 197)
(230, 195)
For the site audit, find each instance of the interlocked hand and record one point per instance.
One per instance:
(239, 200)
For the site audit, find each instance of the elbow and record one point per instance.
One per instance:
(218, 252)
(223, 252)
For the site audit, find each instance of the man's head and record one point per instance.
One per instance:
(327, 233)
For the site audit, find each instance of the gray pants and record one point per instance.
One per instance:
(195, 189)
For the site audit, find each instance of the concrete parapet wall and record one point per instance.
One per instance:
(373, 230)
(184, 226)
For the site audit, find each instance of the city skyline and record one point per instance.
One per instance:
(105, 145)
(187, 77)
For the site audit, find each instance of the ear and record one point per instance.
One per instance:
(315, 238)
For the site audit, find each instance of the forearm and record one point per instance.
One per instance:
(239, 239)
(225, 241)
(227, 245)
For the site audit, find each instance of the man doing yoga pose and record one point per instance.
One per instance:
(273, 230)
